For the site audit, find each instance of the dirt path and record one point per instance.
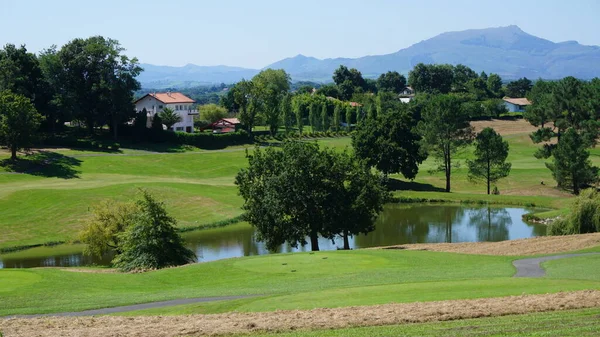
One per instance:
(151, 305)
(520, 247)
(532, 267)
(281, 321)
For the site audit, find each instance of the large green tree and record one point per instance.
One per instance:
(390, 143)
(287, 116)
(99, 82)
(269, 87)
(391, 81)
(490, 163)
(494, 85)
(20, 73)
(571, 166)
(19, 122)
(519, 88)
(301, 191)
(431, 78)
(212, 112)
(169, 117)
(445, 129)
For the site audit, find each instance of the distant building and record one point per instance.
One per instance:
(224, 125)
(181, 104)
(516, 104)
(406, 95)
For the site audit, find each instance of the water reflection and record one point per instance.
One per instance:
(397, 224)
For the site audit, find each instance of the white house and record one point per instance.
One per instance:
(407, 95)
(516, 104)
(181, 104)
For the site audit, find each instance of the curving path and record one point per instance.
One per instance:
(135, 307)
(531, 267)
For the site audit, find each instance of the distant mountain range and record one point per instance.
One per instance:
(507, 51)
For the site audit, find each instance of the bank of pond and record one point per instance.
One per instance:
(397, 224)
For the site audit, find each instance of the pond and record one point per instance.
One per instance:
(397, 224)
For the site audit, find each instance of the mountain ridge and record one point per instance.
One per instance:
(507, 51)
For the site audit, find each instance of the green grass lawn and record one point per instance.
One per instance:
(290, 281)
(571, 323)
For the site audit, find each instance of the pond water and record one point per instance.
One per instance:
(397, 224)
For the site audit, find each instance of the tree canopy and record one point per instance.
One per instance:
(19, 122)
(212, 112)
(490, 163)
(302, 191)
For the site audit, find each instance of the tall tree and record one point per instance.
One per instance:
(212, 112)
(490, 163)
(349, 116)
(312, 116)
(390, 144)
(243, 93)
(462, 75)
(519, 88)
(55, 113)
(20, 73)
(494, 85)
(571, 166)
(286, 113)
(348, 81)
(270, 86)
(391, 81)
(431, 78)
(324, 118)
(445, 129)
(19, 122)
(99, 81)
(337, 117)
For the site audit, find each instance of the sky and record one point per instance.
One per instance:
(256, 33)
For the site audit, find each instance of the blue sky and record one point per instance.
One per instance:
(258, 32)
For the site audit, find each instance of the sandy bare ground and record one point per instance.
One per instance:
(531, 246)
(211, 325)
(505, 127)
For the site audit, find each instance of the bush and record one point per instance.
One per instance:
(584, 216)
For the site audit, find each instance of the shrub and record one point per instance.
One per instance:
(584, 216)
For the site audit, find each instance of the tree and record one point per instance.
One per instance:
(243, 93)
(494, 85)
(519, 88)
(372, 112)
(98, 82)
(169, 117)
(102, 233)
(391, 81)
(348, 81)
(298, 108)
(324, 118)
(157, 123)
(19, 122)
(312, 117)
(390, 144)
(490, 158)
(286, 113)
(462, 75)
(431, 78)
(445, 129)
(349, 116)
(302, 191)
(269, 87)
(212, 112)
(20, 73)
(55, 113)
(151, 241)
(571, 166)
(337, 117)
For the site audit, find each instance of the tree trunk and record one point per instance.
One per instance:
(314, 242)
(346, 242)
(447, 166)
(488, 175)
(575, 185)
(13, 152)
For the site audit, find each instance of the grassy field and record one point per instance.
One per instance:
(572, 323)
(50, 201)
(292, 281)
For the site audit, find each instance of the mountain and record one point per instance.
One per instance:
(159, 77)
(507, 51)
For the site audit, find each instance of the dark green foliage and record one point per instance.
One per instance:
(571, 166)
(348, 81)
(286, 113)
(445, 129)
(584, 216)
(390, 144)
(302, 192)
(494, 85)
(490, 163)
(431, 78)
(324, 118)
(157, 123)
(391, 81)
(462, 76)
(19, 122)
(268, 89)
(337, 117)
(169, 117)
(151, 241)
(349, 116)
(519, 88)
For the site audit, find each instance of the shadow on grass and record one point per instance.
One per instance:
(44, 164)
(399, 185)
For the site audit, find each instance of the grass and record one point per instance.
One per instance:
(572, 323)
(287, 281)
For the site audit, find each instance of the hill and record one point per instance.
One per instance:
(507, 51)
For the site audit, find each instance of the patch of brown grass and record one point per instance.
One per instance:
(505, 127)
(232, 323)
(531, 246)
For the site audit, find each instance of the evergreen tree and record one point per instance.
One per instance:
(337, 117)
(349, 114)
(490, 158)
(324, 118)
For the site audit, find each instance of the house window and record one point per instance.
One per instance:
(179, 128)
(160, 106)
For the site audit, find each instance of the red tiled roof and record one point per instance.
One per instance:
(170, 97)
(354, 104)
(232, 120)
(517, 101)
